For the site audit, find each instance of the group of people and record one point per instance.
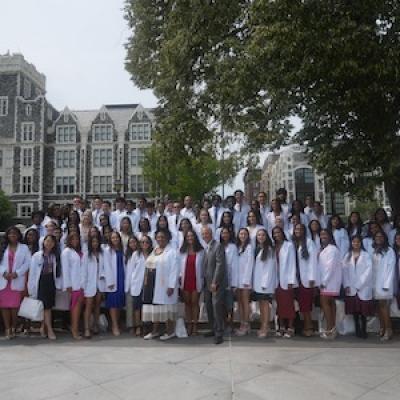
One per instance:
(146, 259)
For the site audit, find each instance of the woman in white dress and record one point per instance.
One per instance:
(253, 225)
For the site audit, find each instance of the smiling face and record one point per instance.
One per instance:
(161, 240)
(325, 239)
(243, 236)
(379, 239)
(261, 236)
(356, 244)
(49, 244)
(277, 234)
(252, 219)
(299, 231)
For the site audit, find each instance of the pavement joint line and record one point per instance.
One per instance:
(377, 386)
(233, 395)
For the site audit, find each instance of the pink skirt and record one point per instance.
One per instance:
(305, 296)
(353, 305)
(285, 302)
(76, 295)
(10, 298)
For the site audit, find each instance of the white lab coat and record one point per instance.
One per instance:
(253, 233)
(322, 219)
(21, 265)
(240, 215)
(166, 277)
(94, 275)
(271, 217)
(358, 277)
(134, 276)
(182, 257)
(330, 269)
(72, 269)
(383, 267)
(35, 271)
(198, 227)
(264, 210)
(173, 224)
(243, 275)
(287, 265)
(111, 269)
(189, 214)
(264, 277)
(342, 240)
(231, 261)
(368, 245)
(308, 268)
(216, 222)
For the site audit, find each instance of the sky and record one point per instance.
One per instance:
(79, 46)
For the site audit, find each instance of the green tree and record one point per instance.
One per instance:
(6, 211)
(254, 64)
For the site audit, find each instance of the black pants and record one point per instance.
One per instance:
(215, 310)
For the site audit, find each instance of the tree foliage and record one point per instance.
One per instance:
(254, 64)
(6, 211)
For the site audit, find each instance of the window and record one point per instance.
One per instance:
(102, 158)
(65, 184)
(1, 158)
(27, 88)
(28, 110)
(26, 184)
(65, 158)
(138, 184)
(25, 210)
(140, 131)
(304, 183)
(27, 157)
(28, 131)
(102, 133)
(66, 134)
(49, 114)
(3, 106)
(102, 184)
(137, 157)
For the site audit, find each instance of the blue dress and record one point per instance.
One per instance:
(117, 299)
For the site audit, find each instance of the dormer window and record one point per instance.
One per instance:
(140, 132)
(102, 132)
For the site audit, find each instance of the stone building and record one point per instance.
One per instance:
(252, 183)
(50, 156)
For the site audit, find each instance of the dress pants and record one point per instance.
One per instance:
(215, 310)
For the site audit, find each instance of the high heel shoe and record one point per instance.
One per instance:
(7, 334)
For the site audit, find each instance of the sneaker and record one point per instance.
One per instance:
(151, 335)
(167, 337)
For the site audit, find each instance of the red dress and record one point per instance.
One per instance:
(10, 298)
(189, 284)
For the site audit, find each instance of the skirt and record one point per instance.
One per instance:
(305, 297)
(148, 286)
(10, 298)
(285, 303)
(76, 295)
(47, 291)
(159, 312)
(137, 302)
(354, 305)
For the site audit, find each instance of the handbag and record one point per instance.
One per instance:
(31, 309)
(62, 301)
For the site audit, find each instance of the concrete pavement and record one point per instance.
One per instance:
(110, 368)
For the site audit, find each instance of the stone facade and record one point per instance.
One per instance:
(51, 156)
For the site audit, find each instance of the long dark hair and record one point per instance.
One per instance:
(165, 219)
(301, 242)
(243, 248)
(266, 248)
(185, 219)
(69, 239)
(35, 246)
(350, 226)
(6, 240)
(319, 229)
(144, 221)
(129, 252)
(385, 246)
(130, 232)
(196, 245)
(55, 252)
(356, 236)
(231, 234)
(120, 246)
(277, 200)
(337, 216)
(230, 225)
(258, 217)
(90, 244)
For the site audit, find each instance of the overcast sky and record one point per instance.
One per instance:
(79, 46)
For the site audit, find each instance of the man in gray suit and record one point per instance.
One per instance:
(214, 268)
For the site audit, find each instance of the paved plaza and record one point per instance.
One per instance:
(106, 368)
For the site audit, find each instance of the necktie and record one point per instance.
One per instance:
(215, 216)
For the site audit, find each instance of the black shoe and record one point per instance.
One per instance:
(218, 340)
(209, 334)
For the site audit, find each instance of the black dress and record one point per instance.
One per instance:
(47, 287)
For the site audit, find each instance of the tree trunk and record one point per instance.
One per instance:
(392, 187)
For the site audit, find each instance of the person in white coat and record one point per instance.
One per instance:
(191, 279)
(276, 211)
(335, 225)
(227, 239)
(357, 283)
(306, 268)
(383, 264)
(160, 288)
(216, 211)
(244, 278)
(94, 283)
(368, 241)
(264, 278)
(203, 221)
(72, 272)
(330, 278)
(354, 224)
(286, 282)
(15, 259)
(314, 227)
(135, 265)
(254, 224)
(44, 270)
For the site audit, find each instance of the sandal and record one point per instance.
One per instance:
(289, 333)
(87, 334)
